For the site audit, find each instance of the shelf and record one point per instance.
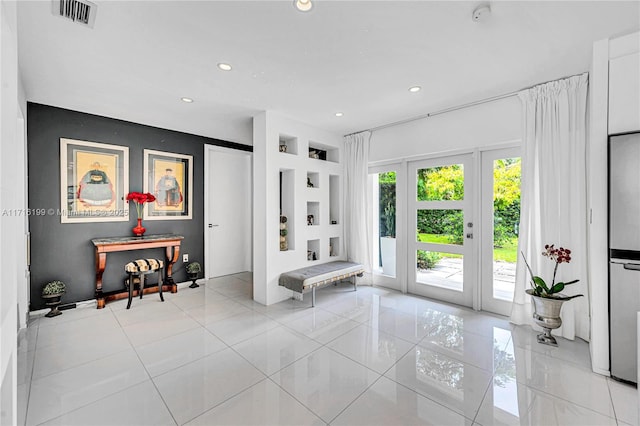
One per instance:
(313, 180)
(334, 247)
(313, 213)
(323, 152)
(288, 144)
(313, 247)
(287, 207)
(334, 199)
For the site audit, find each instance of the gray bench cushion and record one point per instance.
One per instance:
(304, 279)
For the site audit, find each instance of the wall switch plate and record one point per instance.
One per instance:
(185, 258)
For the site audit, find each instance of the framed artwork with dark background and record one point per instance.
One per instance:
(94, 179)
(169, 177)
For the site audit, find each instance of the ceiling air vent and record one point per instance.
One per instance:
(80, 11)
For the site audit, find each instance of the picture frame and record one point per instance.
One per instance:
(169, 177)
(94, 181)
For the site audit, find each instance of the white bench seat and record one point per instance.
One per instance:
(307, 279)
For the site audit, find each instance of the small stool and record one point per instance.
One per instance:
(138, 269)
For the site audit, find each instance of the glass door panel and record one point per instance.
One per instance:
(500, 199)
(441, 255)
(440, 269)
(440, 226)
(384, 222)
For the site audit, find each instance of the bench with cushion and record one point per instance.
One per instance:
(307, 279)
(139, 269)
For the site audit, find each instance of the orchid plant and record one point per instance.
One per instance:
(139, 199)
(539, 287)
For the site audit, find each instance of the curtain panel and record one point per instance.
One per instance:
(356, 199)
(554, 197)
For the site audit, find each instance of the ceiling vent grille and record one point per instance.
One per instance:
(80, 11)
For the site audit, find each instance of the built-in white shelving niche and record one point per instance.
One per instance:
(334, 199)
(334, 247)
(313, 180)
(287, 204)
(324, 152)
(313, 213)
(288, 144)
(313, 250)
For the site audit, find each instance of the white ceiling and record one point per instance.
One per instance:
(352, 56)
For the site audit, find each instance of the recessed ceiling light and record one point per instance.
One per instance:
(303, 5)
(224, 67)
(415, 89)
(187, 100)
(339, 114)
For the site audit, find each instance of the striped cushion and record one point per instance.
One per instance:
(143, 265)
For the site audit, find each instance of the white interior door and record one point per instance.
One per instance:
(441, 260)
(228, 216)
(500, 211)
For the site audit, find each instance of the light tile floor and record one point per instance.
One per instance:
(212, 356)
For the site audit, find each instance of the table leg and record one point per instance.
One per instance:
(101, 263)
(172, 253)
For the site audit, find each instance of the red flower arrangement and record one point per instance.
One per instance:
(139, 199)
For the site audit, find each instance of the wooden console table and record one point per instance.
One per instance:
(170, 242)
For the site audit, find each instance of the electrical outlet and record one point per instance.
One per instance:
(185, 258)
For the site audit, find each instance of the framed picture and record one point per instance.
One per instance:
(94, 181)
(169, 177)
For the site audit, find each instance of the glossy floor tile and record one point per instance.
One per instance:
(270, 405)
(372, 348)
(511, 403)
(325, 381)
(447, 381)
(562, 379)
(138, 405)
(213, 356)
(239, 327)
(389, 403)
(199, 386)
(174, 351)
(275, 349)
(626, 402)
(142, 333)
(322, 326)
(73, 388)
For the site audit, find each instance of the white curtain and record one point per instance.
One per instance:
(554, 197)
(358, 240)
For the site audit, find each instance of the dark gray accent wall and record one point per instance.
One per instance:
(64, 251)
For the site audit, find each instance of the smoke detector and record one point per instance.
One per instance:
(80, 11)
(481, 13)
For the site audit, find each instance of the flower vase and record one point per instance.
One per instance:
(139, 230)
(546, 314)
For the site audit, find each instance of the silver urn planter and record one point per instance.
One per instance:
(547, 315)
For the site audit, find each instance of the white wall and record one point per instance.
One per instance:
(269, 261)
(12, 201)
(479, 126)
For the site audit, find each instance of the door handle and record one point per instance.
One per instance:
(211, 226)
(631, 267)
(470, 235)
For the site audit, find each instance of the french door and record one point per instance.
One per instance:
(441, 253)
(500, 212)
